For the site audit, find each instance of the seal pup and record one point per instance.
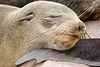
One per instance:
(22, 30)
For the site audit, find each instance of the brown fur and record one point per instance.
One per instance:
(51, 26)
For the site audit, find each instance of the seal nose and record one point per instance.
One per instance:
(81, 26)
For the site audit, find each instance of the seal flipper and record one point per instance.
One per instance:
(28, 57)
(30, 63)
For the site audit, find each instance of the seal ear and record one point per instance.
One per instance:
(28, 17)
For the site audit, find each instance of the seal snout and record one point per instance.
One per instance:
(81, 26)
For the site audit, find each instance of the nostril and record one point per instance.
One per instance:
(81, 26)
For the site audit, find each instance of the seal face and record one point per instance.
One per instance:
(55, 26)
(65, 32)
(52, 25)
(40, 24)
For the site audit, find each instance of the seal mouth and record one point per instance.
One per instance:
(72, 35)
(75, 36)
(66, 37)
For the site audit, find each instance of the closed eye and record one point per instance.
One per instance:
(55, 16)
(52, 18)
(49, 21)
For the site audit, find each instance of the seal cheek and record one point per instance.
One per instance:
(67, 41)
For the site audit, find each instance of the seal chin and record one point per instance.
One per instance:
(64, 45)
(66, 41)
(73, 36)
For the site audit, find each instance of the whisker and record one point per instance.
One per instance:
(87, 35)
(82, 37)
(40, 35)
(63, 31)
(40, 42)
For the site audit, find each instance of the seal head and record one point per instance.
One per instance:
(52, 25)
(40, 24)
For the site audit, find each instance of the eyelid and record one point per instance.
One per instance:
(50, 18)
(55, 16)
